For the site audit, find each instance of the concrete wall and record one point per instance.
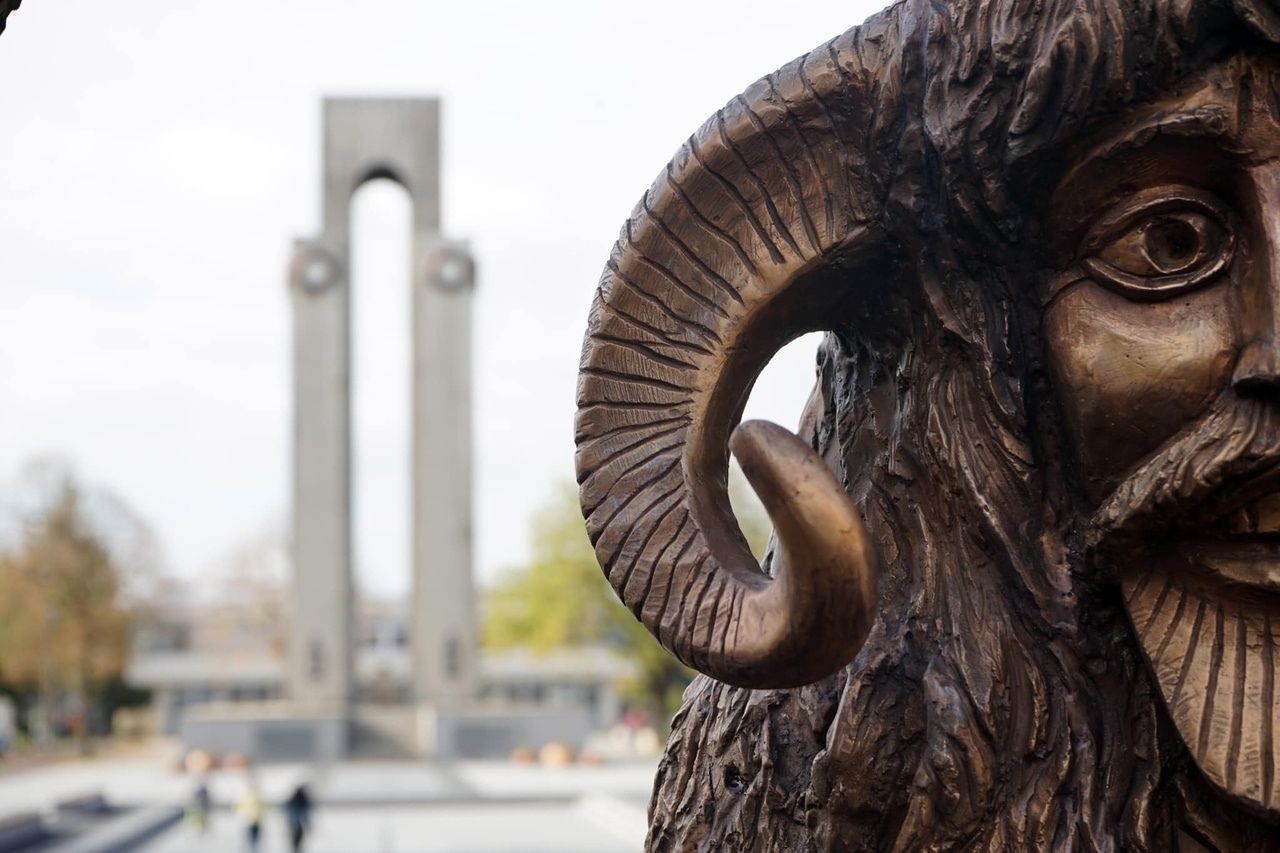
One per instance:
(448, 735)
(269, 739)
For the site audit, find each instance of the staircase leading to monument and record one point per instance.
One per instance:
(385, 732)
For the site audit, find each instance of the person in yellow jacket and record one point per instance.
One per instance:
(249, 811)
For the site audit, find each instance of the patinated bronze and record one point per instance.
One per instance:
(7, 6)
(1025, 589)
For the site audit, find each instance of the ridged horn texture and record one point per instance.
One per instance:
(720, 265)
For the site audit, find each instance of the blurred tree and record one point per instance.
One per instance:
(253, 587)
(561, 599)
(64, 620)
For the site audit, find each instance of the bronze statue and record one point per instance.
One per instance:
(1025, 590)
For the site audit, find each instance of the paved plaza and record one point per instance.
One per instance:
(456, 828)
(374, 807)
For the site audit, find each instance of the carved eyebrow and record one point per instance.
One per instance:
(1076, 194)
(1205, 120)
(1202, 121)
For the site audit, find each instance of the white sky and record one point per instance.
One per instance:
(160, 157)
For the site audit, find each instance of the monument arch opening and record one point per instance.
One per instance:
(381, 412)
(381, 385)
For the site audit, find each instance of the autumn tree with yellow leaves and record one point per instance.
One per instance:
(64, 617)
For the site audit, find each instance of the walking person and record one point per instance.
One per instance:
(198, 811)
(249, 812)
(297, 813)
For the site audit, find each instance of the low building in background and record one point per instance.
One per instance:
(215, 668)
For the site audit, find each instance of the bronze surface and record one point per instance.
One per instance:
(1025, 590)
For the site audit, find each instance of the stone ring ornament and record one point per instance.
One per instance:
(314, 270)
(449, 268)
(1023, 591)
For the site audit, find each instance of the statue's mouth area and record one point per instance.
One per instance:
(1237, 561)
(1203, 611)
(1239, 542)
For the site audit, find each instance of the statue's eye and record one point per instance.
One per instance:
(1160, 243)
(1165, 244)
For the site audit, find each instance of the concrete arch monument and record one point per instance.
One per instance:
(366, 139)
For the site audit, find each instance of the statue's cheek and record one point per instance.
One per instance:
(1130, 375)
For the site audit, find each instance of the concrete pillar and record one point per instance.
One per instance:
(365, 139)
(320, 650)
(443, 630)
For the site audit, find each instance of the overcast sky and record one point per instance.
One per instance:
(160, 157)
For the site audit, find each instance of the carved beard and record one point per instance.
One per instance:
(1195, 545)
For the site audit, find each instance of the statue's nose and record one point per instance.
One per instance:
(1257, 369)
(1257, 372)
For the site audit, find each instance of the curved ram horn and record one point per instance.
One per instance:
(825, 567)
(719, 266)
